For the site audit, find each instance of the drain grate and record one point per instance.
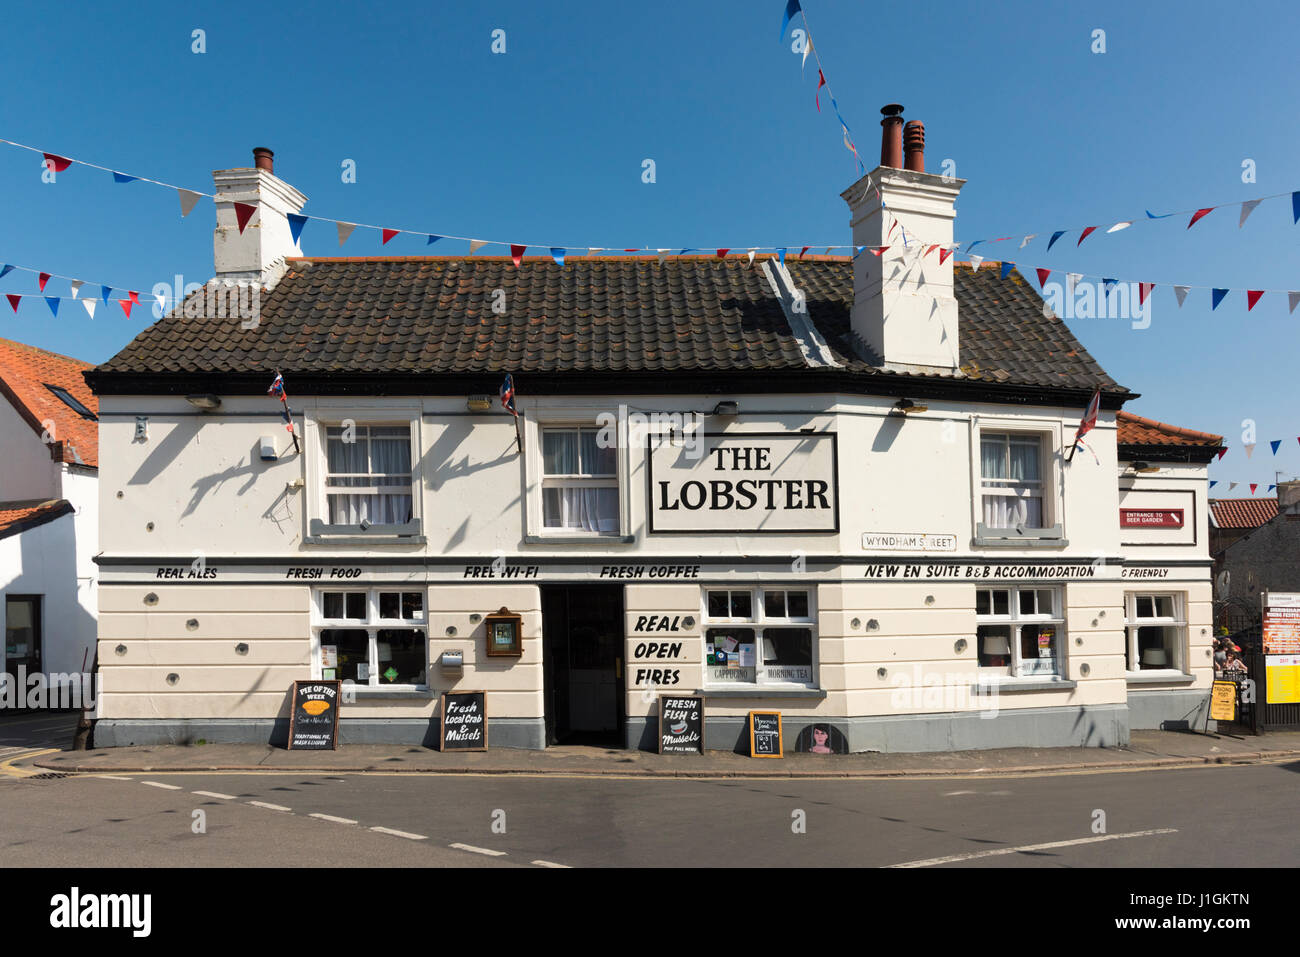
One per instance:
(48, 776)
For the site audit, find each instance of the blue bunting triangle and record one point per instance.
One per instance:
(557, 253)
(1295, 207)
(296, 223)
(1276, 443)
(432, 239)
(104, 293)
(781, 255)
(791, 8)
(1271, 487)
(6, 270)
(53, 302)
(1006, 269)
(1214, 482)
(1216, 297)
(123, 178)
(1151, 215)
(973, 245)
(1055, 236)
(1106, 284)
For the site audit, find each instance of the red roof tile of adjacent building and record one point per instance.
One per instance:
(1135, 430)
(1242, 512)
(17, 517)
(25, 371)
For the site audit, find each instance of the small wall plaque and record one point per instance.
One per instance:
(505, 633)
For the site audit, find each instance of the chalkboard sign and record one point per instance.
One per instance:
(464, 721)
(681, 724)
(765, 734)
(314, 723)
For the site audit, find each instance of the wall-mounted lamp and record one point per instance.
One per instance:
(479, 403)
(205, 401)
(1144, 467)
(907, 406)
(726, 407)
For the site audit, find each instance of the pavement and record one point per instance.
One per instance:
(1147, 749)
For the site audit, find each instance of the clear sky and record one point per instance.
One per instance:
(545, 143)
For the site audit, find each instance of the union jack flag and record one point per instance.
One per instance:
(507, 393)
(277, 387)
(1089, 421)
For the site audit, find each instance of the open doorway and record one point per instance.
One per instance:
(582, 654)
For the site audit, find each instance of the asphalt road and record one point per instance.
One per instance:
(1167, 818)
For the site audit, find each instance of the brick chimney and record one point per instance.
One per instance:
(1288, 500)
(266, 239)
(904, 309)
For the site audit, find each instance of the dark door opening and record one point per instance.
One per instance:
(582, 654)
(23, 640)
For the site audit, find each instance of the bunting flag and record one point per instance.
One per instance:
(42, 279)
(105, 292)
(1293, 300)
(1252, 297)
(345, 230)
(1025, 242)
(53, 303)
(1151, 215)
(243, 213)
(432, 239)
(1222, 452)
(1199, 215)
(804, 250)
(90, 305)
(975, 262)
(663, 255)
(1055, 236)
(1247, 208)
(13, 300)
(791, 8)
(1105, 286)
(943, 255)
(1271, 487)
(389, 234)
(1144, 290)
(126, 305)
(188, 198)
(5, 270)
(1181, 293)
(56, 163)
(475, 245)
(296, 223)
(1216, 296)
(134, 297)
(1042, 276)
(817, 94)
(557, 253)
(751, 256)
(1295, 207)
(1072, 280)
(722, 253)
(1006, 269)
(1276, 444)
(123, 177)
(1253, 486)
(1084, 235)
(1118, 226)
(1231, 486)
(1250, 448)
(76, 285)
(807, 48)
(1213, 482)
(517, 253)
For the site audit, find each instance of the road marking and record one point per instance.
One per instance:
(953, 794)
(405, 834)
(550, 864)
(8, 770)
(216, 794)
(165, 787)
(1035, 847)
(331, 817)
(113, 777)
(478, 850)
(270, 807)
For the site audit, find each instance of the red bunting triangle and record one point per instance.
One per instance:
(1042, 276)
(817, 96)
(1253, 486)
(1252, 297)
(42, 279)
(243, 213)
(723, 252)
(878, 250)
(943, 255)
(1144, 290)
(804, 250)
(59, 163)
(929, 249)
(517, 254)
(1084, 235)
(1199, 214)
(126, 305)
(1224, 451)
(134, 297)
(389, 234)
(13, 300)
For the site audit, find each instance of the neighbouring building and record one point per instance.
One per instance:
(837, 487)
(49, 515)
(1266, 558)
(1234, 518)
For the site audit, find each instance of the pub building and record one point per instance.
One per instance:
(841, 488)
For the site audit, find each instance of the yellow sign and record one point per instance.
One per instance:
(1223, 701)
(1283, 678)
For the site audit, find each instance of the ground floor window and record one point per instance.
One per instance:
(1020, 631)
(1157, 630)
(22, 633)
(375, 638)
(756, 636)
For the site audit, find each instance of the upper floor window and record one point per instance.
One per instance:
(579, 482)
(1011, 479)
(368, 477)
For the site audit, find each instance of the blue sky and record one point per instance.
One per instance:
(545, 143)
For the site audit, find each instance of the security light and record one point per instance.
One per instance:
(726, 407)
(907, 406)
(205, 401)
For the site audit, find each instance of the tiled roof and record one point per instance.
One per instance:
(1135, 430)
(17, 517)
(614, 315)
(1242, 512)
(24, 373)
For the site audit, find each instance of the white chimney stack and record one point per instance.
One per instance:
(904, 308)
(266, 238)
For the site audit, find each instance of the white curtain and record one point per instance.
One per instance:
(380, 456)
(1002, 463)
(589, 509)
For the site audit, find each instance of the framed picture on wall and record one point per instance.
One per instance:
(505, 633)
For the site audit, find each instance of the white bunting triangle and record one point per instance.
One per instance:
(1249, 448)
(1181, 293)
(807, 48)
(1072, 280)
(1293, 299)
(475, 245)
(1118, 226)
(593, 250)
(752, 251)
(188, 199)
(975, 262)
(1231, 486)
(1247, 208)
(1025, 242)
(662, 254)
(90, 305)
(162, 302)
(76, 285)
(345, 230)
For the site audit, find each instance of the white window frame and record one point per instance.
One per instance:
(535, 479)
(1014, 620)
(1049, 434)
(372, 624)
(758, 621)
(315, 449)
(1176, 668)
